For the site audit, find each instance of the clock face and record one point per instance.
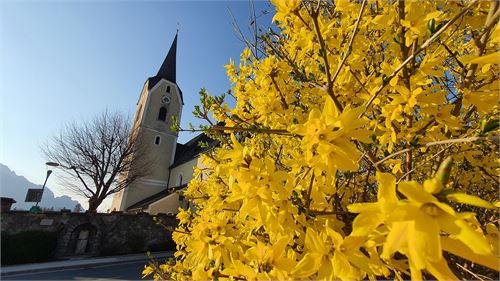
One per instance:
(165, 99)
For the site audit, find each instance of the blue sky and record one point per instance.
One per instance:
(64, 61)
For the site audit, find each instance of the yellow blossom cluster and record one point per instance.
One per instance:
(363, 144)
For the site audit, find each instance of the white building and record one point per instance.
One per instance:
(172, 163)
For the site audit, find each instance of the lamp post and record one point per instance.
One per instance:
(49, 172)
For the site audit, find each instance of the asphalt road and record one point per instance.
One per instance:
(122, 271)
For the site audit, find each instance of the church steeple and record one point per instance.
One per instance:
(160, 102)
(168, 67)
(167, 70)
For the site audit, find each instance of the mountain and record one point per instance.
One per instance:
(14, 186)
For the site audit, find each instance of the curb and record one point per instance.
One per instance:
(73, 264)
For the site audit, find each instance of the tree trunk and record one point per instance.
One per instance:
(94, 202)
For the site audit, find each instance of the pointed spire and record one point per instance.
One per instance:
(168, 68)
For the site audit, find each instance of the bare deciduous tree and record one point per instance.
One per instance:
(99, 157)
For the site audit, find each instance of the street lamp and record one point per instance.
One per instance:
(49, 172)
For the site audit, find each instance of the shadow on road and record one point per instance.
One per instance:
(122, 271)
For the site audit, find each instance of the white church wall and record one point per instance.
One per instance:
(154, 102)
(201, 165)
(169, 204)
(117, 200)
(186, 170)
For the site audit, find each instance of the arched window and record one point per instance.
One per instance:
(180, 179)
(168, 89)
(162, 115)
(157, 140)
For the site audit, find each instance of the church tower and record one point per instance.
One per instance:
(160, 99)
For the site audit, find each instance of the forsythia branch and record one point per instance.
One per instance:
(351, 41)
(420, 49)
(495, 138)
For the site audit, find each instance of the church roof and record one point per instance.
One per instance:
(168, 68)
(190, 150)
(143, 204)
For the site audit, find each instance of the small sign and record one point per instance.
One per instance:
(34, 195)
(35, 210)
(46, 222)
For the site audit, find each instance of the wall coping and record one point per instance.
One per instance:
(66, 213)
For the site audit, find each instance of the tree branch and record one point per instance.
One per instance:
(453, 141)
(420, 49)
(258, 130)
(351, 41)
(324, 55)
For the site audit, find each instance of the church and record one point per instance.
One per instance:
(172, 163)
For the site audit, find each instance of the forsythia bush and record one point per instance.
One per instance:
(363, 145)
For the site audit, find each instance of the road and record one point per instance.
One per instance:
(123, 271)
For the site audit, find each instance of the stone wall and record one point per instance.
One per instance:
(95, 234)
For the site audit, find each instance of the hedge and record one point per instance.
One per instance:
(28, 246)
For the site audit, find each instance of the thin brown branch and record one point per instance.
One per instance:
(282, 97)
(476, 276)
(370, 156)
(359, 81)
(453, 141)
(421, 164)
(257, 130)
(453, 55)
(481, 43)
(488, 174)
(308, 199)
(324, 55)
(420, 49)
(426, 126)
(303, 177)
(328, 213)
(351, 41)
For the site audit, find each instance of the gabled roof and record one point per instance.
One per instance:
(143, 204)
(191, 149)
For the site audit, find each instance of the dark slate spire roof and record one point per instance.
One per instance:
(168, 68)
